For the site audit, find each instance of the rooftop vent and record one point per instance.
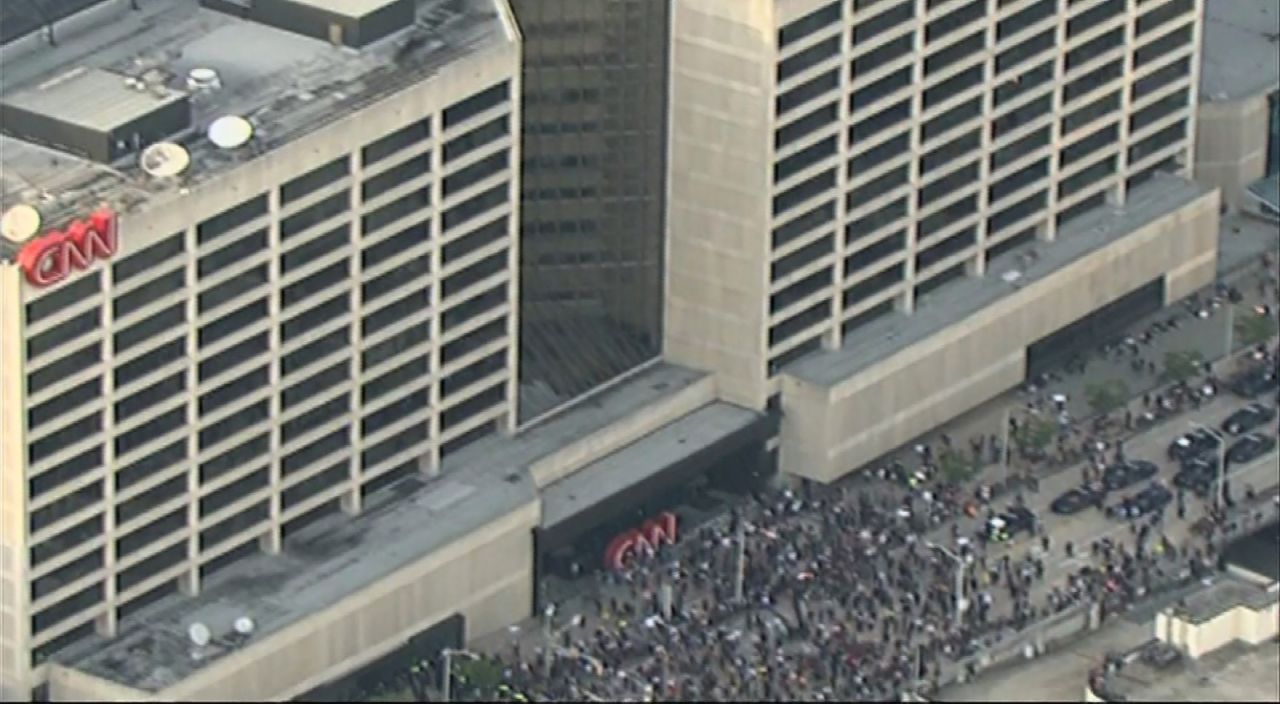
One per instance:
(199, 634)
(127, 114)
(203, 80)
(350, 23)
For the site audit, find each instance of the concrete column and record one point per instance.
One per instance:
(1048, 230)
(270, 542)
(350, 502)
(189, 581)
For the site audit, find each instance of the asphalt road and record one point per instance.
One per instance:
(1081, 529)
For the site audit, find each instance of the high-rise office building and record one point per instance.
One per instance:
(593, 176)
(303, 294)
(1238, 121)
(865, 183)
(877, 215)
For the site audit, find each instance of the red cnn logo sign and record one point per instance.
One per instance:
(644, 540)
(51, 257)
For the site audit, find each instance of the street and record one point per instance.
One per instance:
(834, 570)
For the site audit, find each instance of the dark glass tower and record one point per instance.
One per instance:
(594, 143)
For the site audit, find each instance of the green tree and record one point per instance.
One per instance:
(481, 675)
(1182, 365)
(1035, 434)
(1106, 396)
(956, 467)
(1253, 329)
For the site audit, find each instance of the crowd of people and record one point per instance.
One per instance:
(841, 598)
(864, 591)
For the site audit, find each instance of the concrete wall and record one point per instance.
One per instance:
(178, 211)
(487, 576)
(1231, 147)
(1243, 623)
(827, 431)
(718, 192)
(15, 622)
(611, 438)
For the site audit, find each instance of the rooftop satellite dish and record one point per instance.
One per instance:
(199, 634)
(230, 131)
(203, 79)
(19, 223)
(164, 159)
(244, 625)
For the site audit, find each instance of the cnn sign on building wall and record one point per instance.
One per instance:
(55, 255)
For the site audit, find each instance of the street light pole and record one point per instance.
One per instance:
(448, 673)
(959, 577)
(1231, 328)
(1004, 448)
(1220, 498)
(740, 576)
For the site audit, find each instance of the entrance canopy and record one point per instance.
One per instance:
(672, 455)
(1267, 192)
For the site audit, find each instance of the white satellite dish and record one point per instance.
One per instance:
(19, 223)
(199, 634)
(164, 159)
(230, 131)
(244, 625)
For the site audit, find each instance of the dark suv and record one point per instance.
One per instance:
(1196, 443)
(1123, 475)
(1150, 500)
(1250, 448)
(1197, 475)
(1077, 499)
(1248, 418)
(1255, 382)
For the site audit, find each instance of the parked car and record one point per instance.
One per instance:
(1248, 418)
(1250, 448)
(1197, 475)
(1076, 500)
(1123, 475)
(1255, 382)
(1154, 497)
(1007, 526)
(1197, 443)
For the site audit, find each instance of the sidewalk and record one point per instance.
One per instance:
(1205, 335)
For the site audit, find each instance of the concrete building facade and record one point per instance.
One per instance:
(834, 166)
(278, 332)
(592, 174)
(1238, 128)
(877, 214)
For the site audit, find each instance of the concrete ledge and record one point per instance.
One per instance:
(906, 374)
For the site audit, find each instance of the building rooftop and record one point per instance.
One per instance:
(583, 418)
(324, 563)
(19, 18)
(1236, 672)
(638, 461)
(1241, 50)
(287, 86)
(348, 8)
(339, 555)
(966, 296)
(1224, 595)
(91, 98)
(1257, 553)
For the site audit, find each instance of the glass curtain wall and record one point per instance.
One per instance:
(594, 112)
